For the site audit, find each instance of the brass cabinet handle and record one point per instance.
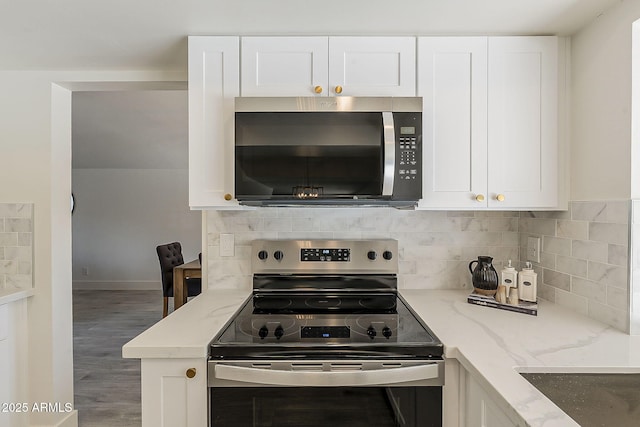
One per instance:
(191, 372)
(317, 89)
(228, 197)
(500, 197)
(480, 198)
(338, 89)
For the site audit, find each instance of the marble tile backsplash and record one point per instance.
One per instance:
(16, 247)
(584, 261)
(584, 258)
(435, 247)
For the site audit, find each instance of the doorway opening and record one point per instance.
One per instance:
(117, 220)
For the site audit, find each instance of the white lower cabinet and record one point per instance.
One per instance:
(481, 410)
(15, 411)
(467, 403)
(174, 392)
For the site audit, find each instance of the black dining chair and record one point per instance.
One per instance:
(170, 255)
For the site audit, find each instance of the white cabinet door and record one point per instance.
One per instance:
(284, 66)
(452, 81)
(481, 410)
(328, 66)
(523, 122)
(372, 66)
(170, 397)
(213, 85)
(490, 122)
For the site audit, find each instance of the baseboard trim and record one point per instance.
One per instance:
(140, 285)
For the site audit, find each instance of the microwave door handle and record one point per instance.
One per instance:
(389, 136)
(326, 378)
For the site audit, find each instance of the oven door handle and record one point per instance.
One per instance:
(379, 377)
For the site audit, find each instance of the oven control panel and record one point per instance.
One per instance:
(325, 332)
(318, 328)
(326, 254)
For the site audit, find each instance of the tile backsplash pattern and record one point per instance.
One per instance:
(584, 258)
(16, 245)
(435, 247)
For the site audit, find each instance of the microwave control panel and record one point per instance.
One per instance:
(408, 179)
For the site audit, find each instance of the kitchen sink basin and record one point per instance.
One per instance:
(593, 399)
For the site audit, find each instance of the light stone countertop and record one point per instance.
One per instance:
(493, 345)
(11, 295)
(187, 332)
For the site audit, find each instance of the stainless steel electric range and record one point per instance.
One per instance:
(324, 335)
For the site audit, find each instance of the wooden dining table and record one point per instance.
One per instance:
(191, 269)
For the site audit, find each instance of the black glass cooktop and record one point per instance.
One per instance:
(321, 326)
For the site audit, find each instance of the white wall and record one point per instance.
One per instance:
(601, 106)
(121, 216)
(35, 167)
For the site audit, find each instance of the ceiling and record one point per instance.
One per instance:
(151, 34)
(148, 129)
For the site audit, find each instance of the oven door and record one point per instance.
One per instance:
(318, 393)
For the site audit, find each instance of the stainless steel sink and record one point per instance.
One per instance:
(593, 399)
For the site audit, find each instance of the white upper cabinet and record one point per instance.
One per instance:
(452, 80)
(284, 66)
(490, 118)
(490, 122)
(372, 66)
(213, 85)
(523, 122)
(328, 66)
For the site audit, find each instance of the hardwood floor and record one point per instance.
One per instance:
(106, 386)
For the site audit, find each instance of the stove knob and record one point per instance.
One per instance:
(262, 255)
(371, 331)
(386, 332)
(263, 332)
(279, 332)
(387, 255)
(372, 255)
(278, 255)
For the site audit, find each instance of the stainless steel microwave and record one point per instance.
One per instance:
(328, 151)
